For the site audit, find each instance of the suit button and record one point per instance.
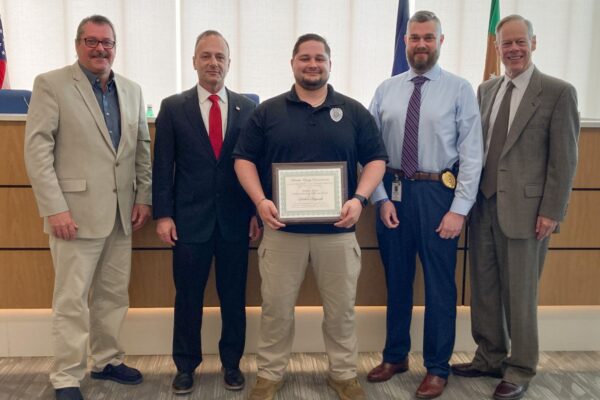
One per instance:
(114, 190)
(117, 164)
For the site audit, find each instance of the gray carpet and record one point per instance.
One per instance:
(561, 376)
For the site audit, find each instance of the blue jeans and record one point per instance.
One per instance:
(423, 205)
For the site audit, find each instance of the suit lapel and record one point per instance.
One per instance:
(487, 104)
(122, 94)
(233, 109)
(194, 116)
(82, 84)
(528, 106)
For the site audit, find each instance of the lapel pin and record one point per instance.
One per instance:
(237, 108)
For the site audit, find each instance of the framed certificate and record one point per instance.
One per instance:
(312, 192)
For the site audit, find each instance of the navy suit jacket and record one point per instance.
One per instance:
(189, 183)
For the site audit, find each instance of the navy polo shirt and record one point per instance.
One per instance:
(284, 129)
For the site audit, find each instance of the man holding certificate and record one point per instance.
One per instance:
(306, 135)
(431, 127)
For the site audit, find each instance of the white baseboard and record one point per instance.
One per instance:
(25, 333)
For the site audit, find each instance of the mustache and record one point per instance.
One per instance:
(100, 53)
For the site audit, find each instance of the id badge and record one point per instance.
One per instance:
(397, 190)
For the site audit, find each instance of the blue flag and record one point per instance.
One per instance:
(400, 63)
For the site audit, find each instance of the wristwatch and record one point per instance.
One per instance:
(363, 200)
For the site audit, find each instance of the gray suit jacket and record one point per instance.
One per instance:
(70, 159)
(538, 162)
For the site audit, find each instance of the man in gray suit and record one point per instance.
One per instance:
(87, 152)
(531, 128)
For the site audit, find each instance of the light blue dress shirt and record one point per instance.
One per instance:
(449, 129)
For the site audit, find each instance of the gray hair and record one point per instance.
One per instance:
(94, 19)
(210, 32)
(515, 17)
(426, 16)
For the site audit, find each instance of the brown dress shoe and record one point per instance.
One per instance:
(509, 391)
(467, 370)
(431, 387)
(385, 371)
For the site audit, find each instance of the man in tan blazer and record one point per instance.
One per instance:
(531, 128)
(87, 152)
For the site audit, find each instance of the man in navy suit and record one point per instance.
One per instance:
(202, 211)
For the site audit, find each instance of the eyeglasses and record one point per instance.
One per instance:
(93, 43)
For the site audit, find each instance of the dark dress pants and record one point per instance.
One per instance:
(423, 205)
(191, 266)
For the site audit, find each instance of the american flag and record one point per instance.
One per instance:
(3, 80)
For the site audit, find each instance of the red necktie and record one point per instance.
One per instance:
(215, 125)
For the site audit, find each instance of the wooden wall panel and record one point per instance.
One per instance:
(581, 227)
(570, 277)
(27, 279)
(588, 168)
(365, 229)
(26, 276)
(12, 164)
(146, 237)
(21, 224)
(151, 279)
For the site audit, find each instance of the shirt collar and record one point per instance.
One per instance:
(433, 74)
(332, 99)
(203, 94)
(522, 81)
(93, 78)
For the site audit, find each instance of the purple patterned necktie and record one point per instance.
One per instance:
(410, 146)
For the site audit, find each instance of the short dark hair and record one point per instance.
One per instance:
(94, 19)
(426, 16)
(210, 32)
(307, 37)
(515, 17)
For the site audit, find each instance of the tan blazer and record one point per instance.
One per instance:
(70, 159)
(538, 162)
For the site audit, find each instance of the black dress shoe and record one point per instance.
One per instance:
(467, 370)
(120, 373)
(509, 391)
(234, 379)
(68, 393)
(183, 382)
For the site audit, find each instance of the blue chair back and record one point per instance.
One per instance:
(14, 101)
(253, 97)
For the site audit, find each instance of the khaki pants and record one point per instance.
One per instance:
(283, 259)
(98, 270)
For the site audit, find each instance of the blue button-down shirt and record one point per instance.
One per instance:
(109, 104)
(449, 129)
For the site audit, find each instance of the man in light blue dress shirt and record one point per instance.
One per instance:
(424, 212)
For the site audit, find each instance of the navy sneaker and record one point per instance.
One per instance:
(68, 393)
(120, 373)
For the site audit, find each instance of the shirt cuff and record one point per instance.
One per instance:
(461, 206)
(378, 194)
